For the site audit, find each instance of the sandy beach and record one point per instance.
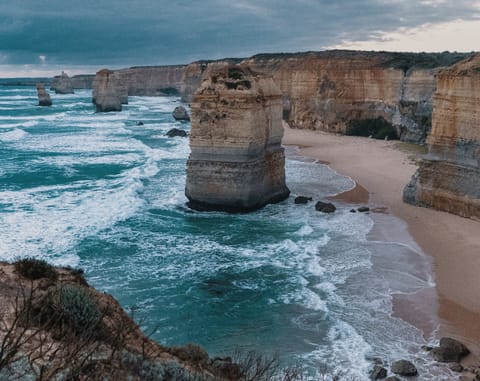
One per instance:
(381, 170)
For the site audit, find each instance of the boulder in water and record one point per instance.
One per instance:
(325, 207)
(404, 368)
(176, 132)
(450, 350)
(180, 113)
(302, 200)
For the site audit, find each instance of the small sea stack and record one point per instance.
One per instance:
(62, 84)
(106, 95)
(43, 97)
(237, 163)
(448, 177)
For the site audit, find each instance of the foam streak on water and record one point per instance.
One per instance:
(100, 192)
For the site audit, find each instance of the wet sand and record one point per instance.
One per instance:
(381, 171)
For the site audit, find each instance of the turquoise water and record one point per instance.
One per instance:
(99, 192)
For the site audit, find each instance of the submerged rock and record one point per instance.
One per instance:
(325, 207)
(237, 163)
(176, 132)
(404, 368)
(363, 209)
(180, 113)
(43, 97)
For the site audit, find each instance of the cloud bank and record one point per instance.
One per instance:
(146, 32)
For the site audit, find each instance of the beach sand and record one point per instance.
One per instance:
(381, 170)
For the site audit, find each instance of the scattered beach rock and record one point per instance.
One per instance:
(353, 211)
(378, 373)
(426, 348)
(325, 207)
(43, 97)
(456, 367)
(180, 113)
(302, 200)
(450, 350)
(404, 368)
(363, 209)
(176, 132)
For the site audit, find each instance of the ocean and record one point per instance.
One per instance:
(99, 192)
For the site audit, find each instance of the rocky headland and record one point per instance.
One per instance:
(43, 97)
(448, 176)
(237, 163)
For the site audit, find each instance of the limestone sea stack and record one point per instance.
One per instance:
(107, 96)
(236, 163)
(62, 84)
(448, 177)
(43, 97)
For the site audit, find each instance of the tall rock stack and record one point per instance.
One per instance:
(43, 97)
(62, 84)
(107, 94)
(448, 177)
(236, 163)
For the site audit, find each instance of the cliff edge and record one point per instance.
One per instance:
(448, 177)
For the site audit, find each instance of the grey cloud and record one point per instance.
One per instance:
(121, 32)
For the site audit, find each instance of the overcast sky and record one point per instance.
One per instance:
(38, 35)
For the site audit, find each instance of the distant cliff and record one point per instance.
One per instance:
(153, 80)
(337, 91)
(448, 177)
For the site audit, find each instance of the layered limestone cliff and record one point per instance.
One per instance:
(43, 97)
(82, 81)
(237, 163)
(62, 84)
(108, 91)
(335, 90)
(448, 177)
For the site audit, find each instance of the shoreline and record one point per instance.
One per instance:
(380, 170)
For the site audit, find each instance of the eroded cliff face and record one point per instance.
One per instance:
(237, 163)
(330, 91)
(448, 177)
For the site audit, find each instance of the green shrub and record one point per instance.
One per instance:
(33, 269)
(76, 309)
